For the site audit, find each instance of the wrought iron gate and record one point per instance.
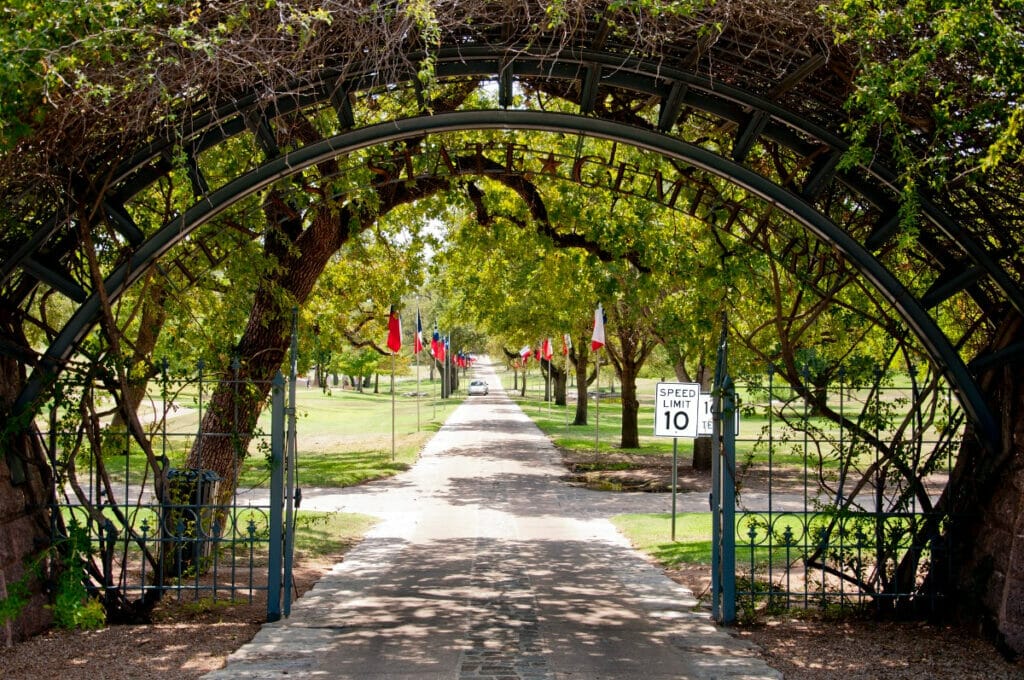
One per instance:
(136, 544)
(849, 510)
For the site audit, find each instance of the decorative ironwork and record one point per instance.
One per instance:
(853, 512)
(159, 533)
(756, 105)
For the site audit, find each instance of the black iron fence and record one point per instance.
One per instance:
(146, 525)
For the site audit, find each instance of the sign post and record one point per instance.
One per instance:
(676, 414)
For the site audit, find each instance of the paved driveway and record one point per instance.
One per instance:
(486, 565)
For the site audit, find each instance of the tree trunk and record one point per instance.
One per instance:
(581, 355)
(235, 407)
(703, 449)
(561, 380)
(151, 323)
(301, 256)
(628, 358)
(985, 501)
(25, 489)
(630, 436)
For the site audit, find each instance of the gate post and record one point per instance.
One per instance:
(715, 501)
(276, 492)
(723, 488)
(728, 485)
(290, 499)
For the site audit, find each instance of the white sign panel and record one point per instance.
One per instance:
(676, 409)
(706, 419)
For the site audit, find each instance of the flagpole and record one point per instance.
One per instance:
(597, 409)
(394, 344)
(549, 388)
(392, 406)
(596, 343)
(418, 342)
(566, 355)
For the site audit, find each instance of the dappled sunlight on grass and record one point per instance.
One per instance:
(652, 534)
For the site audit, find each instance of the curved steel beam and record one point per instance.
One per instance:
(674, 85)
(909, 308)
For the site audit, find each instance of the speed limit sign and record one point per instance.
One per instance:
(676, 409)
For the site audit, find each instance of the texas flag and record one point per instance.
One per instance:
(545, 349)
(417, 341)
(597, 339)
(394, 330)
(525, 352)
(566, 344)
(435, 343)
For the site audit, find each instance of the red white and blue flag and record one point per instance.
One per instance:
(597, 339)
(435, 343)
(545, 349)
(566, 344)
(417, 341)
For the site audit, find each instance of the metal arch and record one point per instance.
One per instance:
(935, 342)
(675, 87)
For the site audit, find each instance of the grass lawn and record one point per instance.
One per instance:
(790, 447)
(343, 437)
(323, 534)
(652, 533)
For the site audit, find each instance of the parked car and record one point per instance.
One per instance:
(477, 387)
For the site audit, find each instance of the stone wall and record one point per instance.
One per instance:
(1003, 546)
(24, 534)
(24, 493)
(988, 493)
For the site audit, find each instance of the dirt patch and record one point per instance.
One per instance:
(622, 471)
(186, 640)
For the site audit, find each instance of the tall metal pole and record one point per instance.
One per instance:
(392, 406)
(728, 500)
(597, 409)
(566, 355)
(276, 489)
(418, 340)
(675, 482)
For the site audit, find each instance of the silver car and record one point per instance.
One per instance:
(477, 387)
